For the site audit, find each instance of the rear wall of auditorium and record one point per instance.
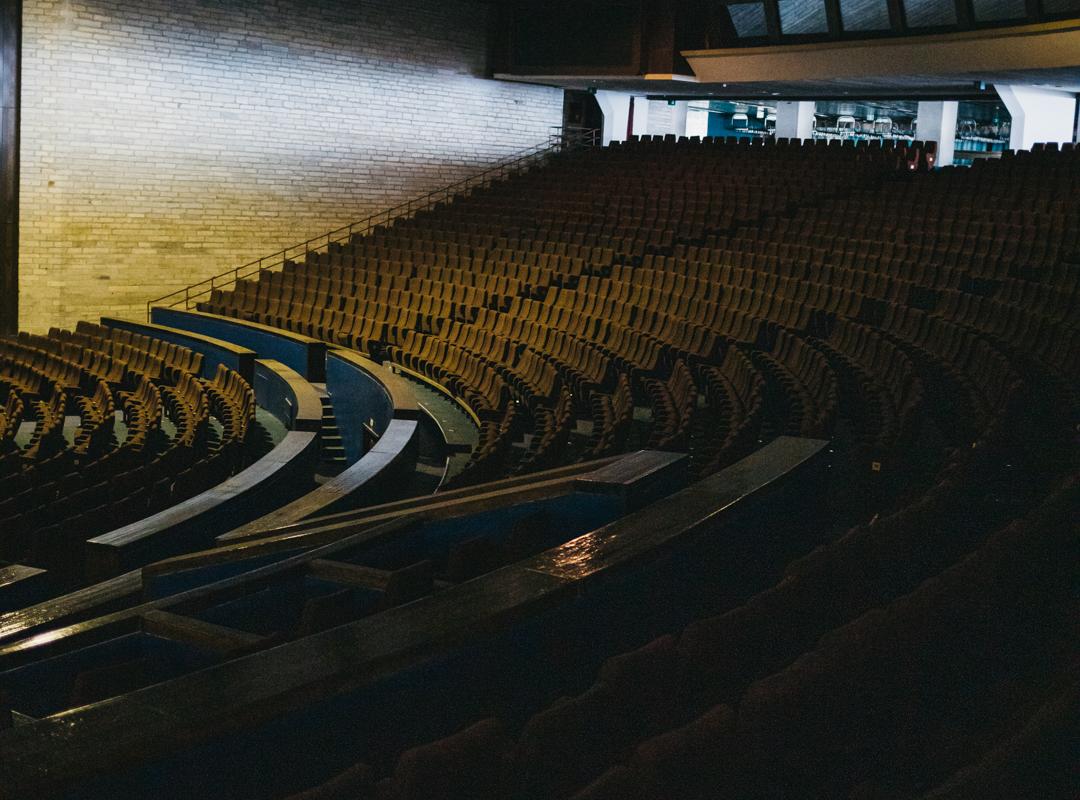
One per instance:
(167, 140)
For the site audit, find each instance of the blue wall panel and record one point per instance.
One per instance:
(274, 393)
(306, 357)
(359, 399)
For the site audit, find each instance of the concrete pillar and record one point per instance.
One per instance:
(11, 25)
(697, 122)
(641, 116)
(616, 108)
(795, 119)
(665, 118)
(936, 122)
(1038, 115)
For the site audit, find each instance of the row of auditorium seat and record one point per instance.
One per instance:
(921, 321)
(887, 661)
(10, 419)
(909, 648)
(634, 310)
(56, 495)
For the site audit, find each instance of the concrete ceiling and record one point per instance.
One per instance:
(956, 65)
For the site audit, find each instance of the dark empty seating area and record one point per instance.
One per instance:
(147, 432)
(930, 654)
(706, 296)
(909, 631)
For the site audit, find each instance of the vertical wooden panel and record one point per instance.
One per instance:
(10, 64)
(658, 42)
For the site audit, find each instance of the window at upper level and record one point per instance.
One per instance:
(929, 13)
(803, 16)
(1060, 6)
(748, 19)
(864, 15)
(753, 22)
(994, 10)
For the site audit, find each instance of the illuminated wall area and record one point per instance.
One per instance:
(165, 140)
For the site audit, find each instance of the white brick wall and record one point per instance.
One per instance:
(166, 140)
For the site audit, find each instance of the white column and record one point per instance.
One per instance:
(616, 108)
(641, 116)
(795, 119)
(936, 122)
(678, 117)
(665, 118)
(697, 122)
(1038, 115)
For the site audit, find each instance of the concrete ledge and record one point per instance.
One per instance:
(392, 458)
(302, 353)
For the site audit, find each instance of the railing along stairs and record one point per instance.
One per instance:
(561, 140)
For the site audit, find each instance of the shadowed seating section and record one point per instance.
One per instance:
(485, 566)
(150, 433)
(866, 672)
(922, 320)
(845, 567)
(635, 280)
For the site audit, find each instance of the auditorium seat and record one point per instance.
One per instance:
(849, 715)
(465, 766)
(56, 493)
(702, 296)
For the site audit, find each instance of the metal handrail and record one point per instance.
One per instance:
(561, 140)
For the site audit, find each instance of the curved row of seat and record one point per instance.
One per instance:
(891, 662)
(55, 495)
(10, 419)
(543, 287)
(703, 297)
(924, 328)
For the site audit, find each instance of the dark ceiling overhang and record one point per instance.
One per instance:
(956, 65)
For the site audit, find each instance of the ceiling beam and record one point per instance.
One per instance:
(832, 15)
(965, 14)
(897, 18)
(772, 19)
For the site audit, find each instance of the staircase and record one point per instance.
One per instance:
(331, 448)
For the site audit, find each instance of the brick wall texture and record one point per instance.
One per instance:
(167, 140)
